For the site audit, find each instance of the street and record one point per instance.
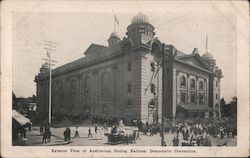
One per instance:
(99, 139)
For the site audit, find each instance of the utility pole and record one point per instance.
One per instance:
(163, 95)
(49, 47)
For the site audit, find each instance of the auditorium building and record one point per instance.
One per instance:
(125, 80)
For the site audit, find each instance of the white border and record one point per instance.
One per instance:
(241, 8)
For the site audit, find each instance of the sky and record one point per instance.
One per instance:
(74, 32)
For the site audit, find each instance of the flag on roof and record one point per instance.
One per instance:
(116, 20)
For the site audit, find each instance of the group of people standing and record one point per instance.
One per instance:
(46, 133)
(200, 132)
(67, 133)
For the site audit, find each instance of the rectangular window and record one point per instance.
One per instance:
(153, 66)
(192, 83)
(129, 66)
(183, 81)
(153, 88)
(201, 99)
(216, 96)
(216, 83)
(192, 99)
(183, 97)
(201, 85)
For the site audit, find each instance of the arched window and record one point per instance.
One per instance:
(129, 102)
(192, 83)
(129, 87)
(129, 66)
(73, 91)
(61, 94)
(183, 81)
(201, 86)
(87, 85)
(105, 86)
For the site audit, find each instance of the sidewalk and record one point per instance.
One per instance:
(35, 139)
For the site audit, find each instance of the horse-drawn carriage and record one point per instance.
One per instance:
(119, 138)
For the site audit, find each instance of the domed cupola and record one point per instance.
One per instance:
(113, 39)
(140, 25)
(140, 18)
(44, 68)
(208, 58)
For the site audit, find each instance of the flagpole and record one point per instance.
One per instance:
(206, 44)
(114, 22)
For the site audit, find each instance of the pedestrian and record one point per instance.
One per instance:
(68, 133)
(138, 136)
(24, 137)
(105, 127)
(130, 138)
(147, 124)
(77, 133)
(127, 138)
(90, 132)
(65, 134)
(134, 137)
(41, 129)
(95, 128)
(49, 136)
(222, 134)
(44, 137)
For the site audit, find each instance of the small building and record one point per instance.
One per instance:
(124, 80)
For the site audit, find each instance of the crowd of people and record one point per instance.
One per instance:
(185, 132)
(200, 132)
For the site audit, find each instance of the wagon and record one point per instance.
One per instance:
(117, 138)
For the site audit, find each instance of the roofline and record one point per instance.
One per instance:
(92, 44)
(193, 66)
(191, 55)
(77, 67)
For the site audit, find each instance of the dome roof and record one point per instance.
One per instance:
(140, 18)
(114, 34)
(45, 65)
(208, 57)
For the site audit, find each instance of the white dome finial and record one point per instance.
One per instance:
(140, 18)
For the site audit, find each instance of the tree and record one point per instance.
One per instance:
(223, 107)
(230, 109)
(233, 108)
(14, 101)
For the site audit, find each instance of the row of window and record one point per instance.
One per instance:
(192, 83)
(193, 96)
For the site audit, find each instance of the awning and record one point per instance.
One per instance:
(196, 108)
(22, 120)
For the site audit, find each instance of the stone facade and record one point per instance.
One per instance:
(124, 80)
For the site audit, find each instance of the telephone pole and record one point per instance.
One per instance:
(163, 95)
(49, 47)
